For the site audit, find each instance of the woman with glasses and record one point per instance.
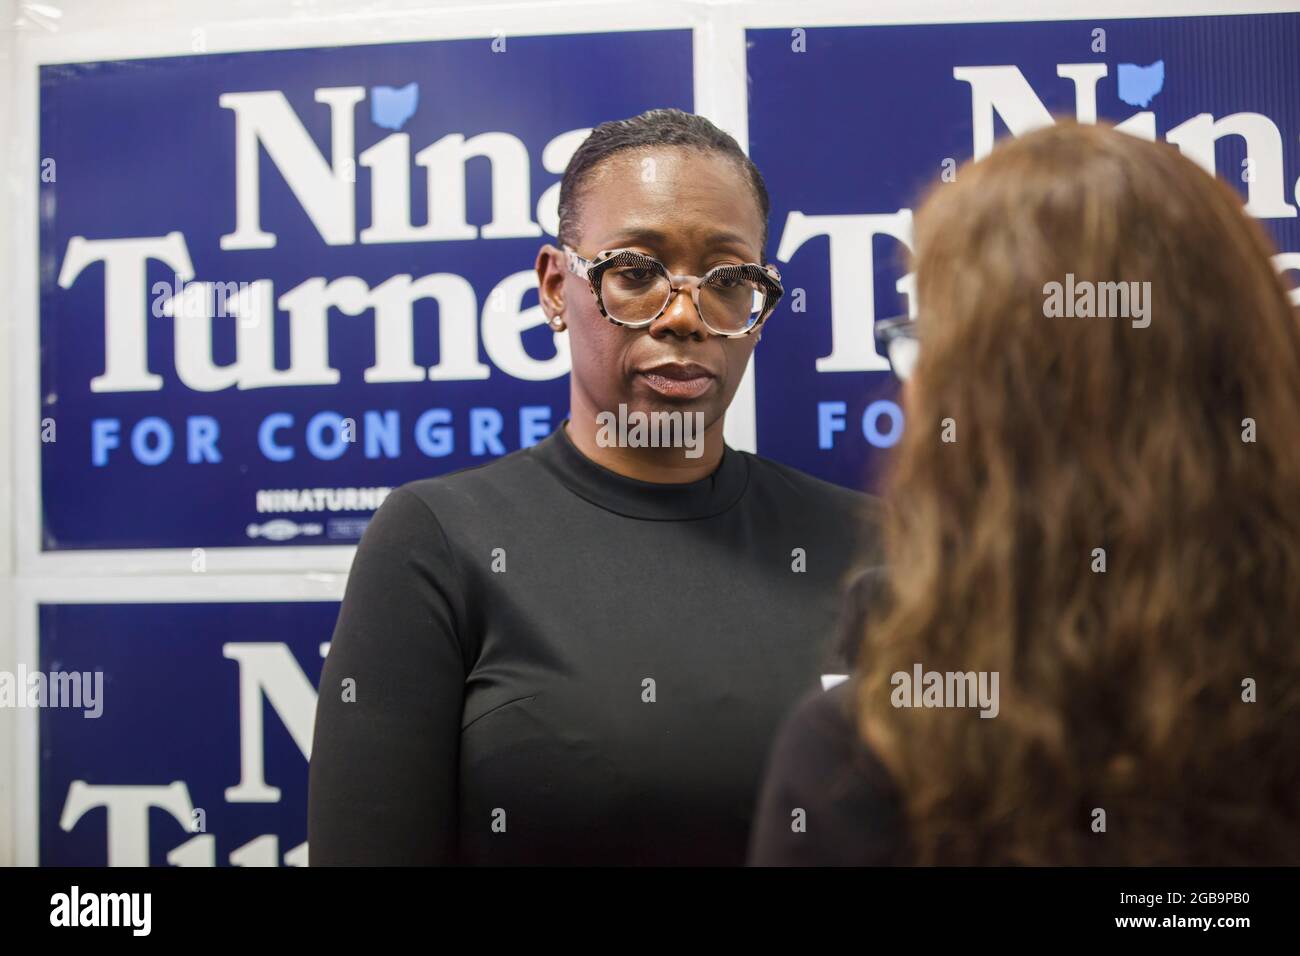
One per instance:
(1091, 541)
(579, 652)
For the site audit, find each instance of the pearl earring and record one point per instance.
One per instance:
(557, 322)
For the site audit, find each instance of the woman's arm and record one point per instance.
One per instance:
(383, 777)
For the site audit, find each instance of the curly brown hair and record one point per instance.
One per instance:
(1125, 689)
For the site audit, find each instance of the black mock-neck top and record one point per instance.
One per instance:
(554, 663)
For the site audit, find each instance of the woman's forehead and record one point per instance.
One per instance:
(666, 196)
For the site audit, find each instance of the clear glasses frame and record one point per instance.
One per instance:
(896, 338)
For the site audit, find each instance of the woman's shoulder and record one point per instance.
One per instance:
(809, 497)
(826, 799)
(431, 515)
(776, 472)
(478, 497)
(505, 473)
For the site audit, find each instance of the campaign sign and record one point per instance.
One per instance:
(274, 285)
(850, 125)
(177, 733)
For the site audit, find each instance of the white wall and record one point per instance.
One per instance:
(8, 315)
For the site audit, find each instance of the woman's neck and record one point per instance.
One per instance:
(601, 438)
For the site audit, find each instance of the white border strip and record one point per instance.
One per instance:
(821, 13)
(722, 95)
(8, 647)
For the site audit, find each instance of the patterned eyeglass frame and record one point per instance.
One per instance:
(593, 269)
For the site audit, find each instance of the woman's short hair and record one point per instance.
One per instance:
(651, 129)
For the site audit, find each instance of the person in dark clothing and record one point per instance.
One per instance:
(579, 653)
(1082, 649)
(826, 801)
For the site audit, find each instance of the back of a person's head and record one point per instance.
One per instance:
(1104, 511)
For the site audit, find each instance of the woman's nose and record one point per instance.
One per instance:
(680, 318)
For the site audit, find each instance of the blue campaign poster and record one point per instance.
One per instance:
(188, 741)
(276, 284)
(851, 124)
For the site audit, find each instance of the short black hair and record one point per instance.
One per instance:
(662, 127)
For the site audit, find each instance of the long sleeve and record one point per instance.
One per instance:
(825, 801)
(383, 776)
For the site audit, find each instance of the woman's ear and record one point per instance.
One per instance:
(550, 282)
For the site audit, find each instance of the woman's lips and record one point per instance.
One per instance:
(678, 381)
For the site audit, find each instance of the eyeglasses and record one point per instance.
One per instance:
(896, 337)
(633, 289)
